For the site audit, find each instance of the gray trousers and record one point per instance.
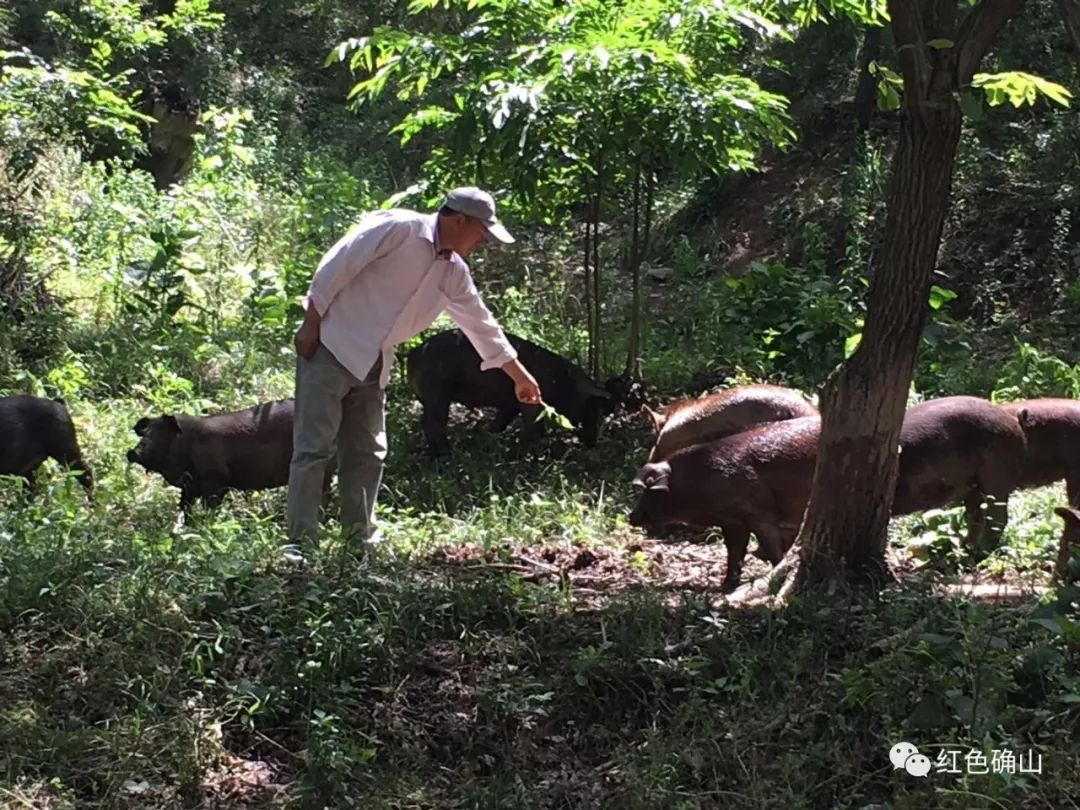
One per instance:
(335, 413)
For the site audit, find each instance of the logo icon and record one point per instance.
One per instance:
(906, 756)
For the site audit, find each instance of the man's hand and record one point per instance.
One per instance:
(526, 389)
(528, 392)
(306, 339)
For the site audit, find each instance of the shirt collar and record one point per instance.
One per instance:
(431, 232)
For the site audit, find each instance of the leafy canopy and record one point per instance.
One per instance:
(537, 94)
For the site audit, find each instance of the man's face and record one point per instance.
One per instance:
(468, 233)
(473, 233)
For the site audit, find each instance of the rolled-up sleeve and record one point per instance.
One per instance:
(470, 313)
(368, 241)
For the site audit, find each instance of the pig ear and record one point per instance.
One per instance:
(658, 419)
(170, 421)
(653, 477)
(140, 426)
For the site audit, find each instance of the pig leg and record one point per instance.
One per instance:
(976, 520)
(87, 477)
(771, 542)
(433, 422)
(985, 525)
(1072, 489)
(787, 540)
(187, 500)
(736, 540)
(66, 452)
(1070, 537)
(997, 517)
(75, 462)
(211, 488)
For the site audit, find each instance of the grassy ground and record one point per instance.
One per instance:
(514, 644)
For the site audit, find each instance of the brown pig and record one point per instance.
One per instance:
(693, 421)
(757, 480)
(1052, 428)
(952, 450)
(960, 450)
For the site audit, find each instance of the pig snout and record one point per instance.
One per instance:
(645, 512)
(643, 517)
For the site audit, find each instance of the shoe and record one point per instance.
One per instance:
(292, 555)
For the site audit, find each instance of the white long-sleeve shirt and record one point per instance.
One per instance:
(385, 281)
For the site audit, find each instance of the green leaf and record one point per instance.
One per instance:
(1019, 88)
(885, 73)
(549, 413)
(1053, 625)
(888, 98)
(1055, 92)
(242, 153)
(940, 44)
(971, 106)
(851, 344)
(940, 296)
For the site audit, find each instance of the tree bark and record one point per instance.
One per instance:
(1070, 15)
(597, 319)
(590, 324)
(633, 349)
(863, 404)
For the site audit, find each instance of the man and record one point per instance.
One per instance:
(385, 281)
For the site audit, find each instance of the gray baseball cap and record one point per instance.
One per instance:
(478, 204)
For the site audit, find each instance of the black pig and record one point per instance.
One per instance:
(445, 368)
(33, 429)
(205, 456)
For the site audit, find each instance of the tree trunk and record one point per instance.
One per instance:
(590, 324)
(597, 320)
(866, 88)
(1070, 15)
(633, 349)
(863, 404)
(646, 242)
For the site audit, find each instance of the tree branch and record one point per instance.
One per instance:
(909, 29)
(977, 33)
(1070, 15)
